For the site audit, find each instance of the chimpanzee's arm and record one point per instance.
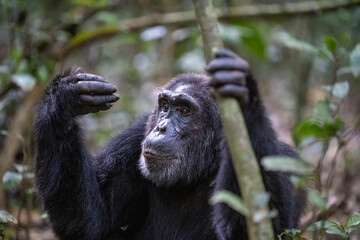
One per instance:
(75, 189)
(232, 78)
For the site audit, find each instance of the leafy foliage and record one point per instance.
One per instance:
(324, 125)
(302, 46)
(355, 61)
(231, 199)
(318, 129)
(6, 217)
(11, 180)
(36, 34)
(248, 35)
(286, 164)
(336, 228)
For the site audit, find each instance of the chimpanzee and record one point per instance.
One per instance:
(153, 181)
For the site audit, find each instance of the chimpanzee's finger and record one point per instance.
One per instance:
(77, 71)
(223, 52)
(93, 109)
(220, 78)
(68, 79)
(219, 64)
(234, 91)
(90, 77)
(97, 100)
(89, 87)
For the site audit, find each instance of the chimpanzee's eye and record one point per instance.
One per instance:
(184, 111)
(165, 106)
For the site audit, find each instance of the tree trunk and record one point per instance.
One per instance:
(245, 164)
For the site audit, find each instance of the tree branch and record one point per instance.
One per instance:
(245, 12)
(286, 9)
(323, 215)
(244, 161)
(257, 11)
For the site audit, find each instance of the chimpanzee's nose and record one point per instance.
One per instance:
(161, 126)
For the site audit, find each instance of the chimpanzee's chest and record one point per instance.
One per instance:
(178, 217)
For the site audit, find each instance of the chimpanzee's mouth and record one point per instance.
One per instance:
(150, 154)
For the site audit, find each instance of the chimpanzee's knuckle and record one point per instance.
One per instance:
(218, 76)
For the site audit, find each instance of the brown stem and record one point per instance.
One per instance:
(320, 165)
(322, 215)
(245, 164)
(332, 170)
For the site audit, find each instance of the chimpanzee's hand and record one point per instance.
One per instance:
(229, 73)
(81, 93)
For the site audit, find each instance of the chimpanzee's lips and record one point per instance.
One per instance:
(151, 154)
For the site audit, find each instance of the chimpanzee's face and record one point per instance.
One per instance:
(179, 133)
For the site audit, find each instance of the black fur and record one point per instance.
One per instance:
(108, 197)
(232, 225)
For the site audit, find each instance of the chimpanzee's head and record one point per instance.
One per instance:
(183, 133)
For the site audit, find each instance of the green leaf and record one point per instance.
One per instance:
(6, 217)
(30, 191)
(292, 232)
(308, 128)
(352, 228)
(302, 46)
(330, 129)
(273, 213)
(307, 141)
(322, 110)
(25, 81)
(11, 180)
(355, 60)
(251, 37)
(337, 231)
(294, 43)
(299, 182)
(42, 73)
(321, 225)
(44, 215)
(316, 199)
(344, 70)
(229, 33)
(262, 199)
(4, 69)
(20, 168)
(29, 175)
(321, 128)
(107, 17)
(341, 89)
(331, 44)
(354, 221)
(232, 200)
(255, 42)
(338, 124)
(286, 164)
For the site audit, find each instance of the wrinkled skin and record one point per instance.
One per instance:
(88, 93)
(154, 180)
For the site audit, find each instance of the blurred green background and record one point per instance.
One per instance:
(307, 63)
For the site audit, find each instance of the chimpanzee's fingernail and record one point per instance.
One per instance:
(78, 70)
